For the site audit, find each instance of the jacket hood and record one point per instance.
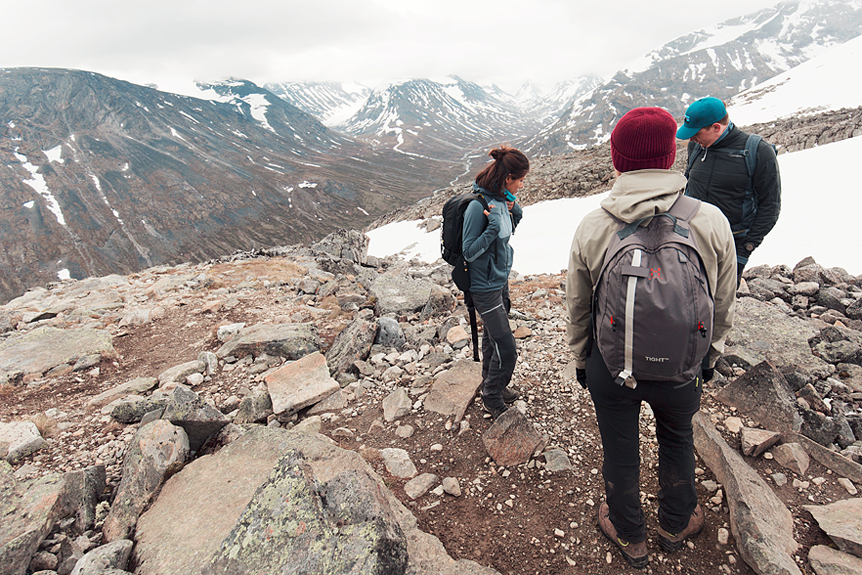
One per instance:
(641, 193)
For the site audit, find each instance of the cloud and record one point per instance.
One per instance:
(265, 41)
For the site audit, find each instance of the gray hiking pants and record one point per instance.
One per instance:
(499, 353)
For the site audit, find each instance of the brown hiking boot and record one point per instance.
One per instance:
(670, 542)
(494, 411)
(635, 553)
(508, 394)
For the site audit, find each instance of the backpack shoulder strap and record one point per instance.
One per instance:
(684, 208)
(751, 153)
(482, 200)
(692, 157)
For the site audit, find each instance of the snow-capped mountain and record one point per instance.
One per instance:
(823, 83)
(272, 113)
(330, 102)
(548, 106)
(102, 176)
(719, 61)
(813, 112)
(439, 119)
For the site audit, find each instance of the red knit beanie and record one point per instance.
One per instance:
(644, 138)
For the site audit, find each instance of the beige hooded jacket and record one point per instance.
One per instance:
(636, 195)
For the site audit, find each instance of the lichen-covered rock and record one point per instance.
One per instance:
(351, 345)
(158, 450)
(295, 525)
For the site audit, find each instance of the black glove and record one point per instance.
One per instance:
(708, 372)
(581, 376)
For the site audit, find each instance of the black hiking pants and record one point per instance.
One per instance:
(618, 414)
(499, 353)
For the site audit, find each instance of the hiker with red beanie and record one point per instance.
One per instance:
(644, 206)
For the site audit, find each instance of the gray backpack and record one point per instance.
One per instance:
(652, 306)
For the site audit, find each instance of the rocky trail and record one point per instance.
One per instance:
(338, 374)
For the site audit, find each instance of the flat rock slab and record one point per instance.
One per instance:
(761, 524)
(420, 485)
(136, 386)
(763, 332)
(792, 456)
(289, 340)
(44, 348)
(842, 522)
(454, 389)
(300, 384)
(834, 461)
(396, 405)
(828, 561)
(512, 439)
(22, 439)
(398, 462)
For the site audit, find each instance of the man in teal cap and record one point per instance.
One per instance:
(733, 170)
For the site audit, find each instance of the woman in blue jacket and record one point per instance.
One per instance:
(489, 255)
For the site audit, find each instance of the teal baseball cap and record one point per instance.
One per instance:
(700, 114)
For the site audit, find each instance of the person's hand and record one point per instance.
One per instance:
(488, 212)
(708, 372)
(581, 376)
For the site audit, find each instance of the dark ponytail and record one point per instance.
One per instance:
(507, 162)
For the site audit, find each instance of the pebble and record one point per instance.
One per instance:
(848, 485)
(723, 536)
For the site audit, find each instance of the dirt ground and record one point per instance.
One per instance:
(518, 520)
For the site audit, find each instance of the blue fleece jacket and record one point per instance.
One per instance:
(485, 242)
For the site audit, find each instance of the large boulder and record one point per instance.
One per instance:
(204, 508)
(30, 510)
(395, 292)
(199, 419)
(293, 524)
(158, 450)
(764, 395)
(351, 345)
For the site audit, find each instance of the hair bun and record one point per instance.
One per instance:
(498, 153)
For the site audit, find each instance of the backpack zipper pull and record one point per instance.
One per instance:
(702, 329)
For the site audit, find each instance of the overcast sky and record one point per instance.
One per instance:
(171, 42)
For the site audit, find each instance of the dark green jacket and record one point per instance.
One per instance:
(719, 176)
